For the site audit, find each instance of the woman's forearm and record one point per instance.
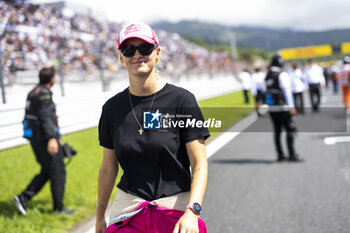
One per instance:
(199, 181)
(105, 184)
(107, 175)
(199, 166)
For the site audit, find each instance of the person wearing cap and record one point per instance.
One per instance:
(281, 107)
(344, 81)
(164, 167)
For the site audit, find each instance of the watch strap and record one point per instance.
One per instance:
(191, 207)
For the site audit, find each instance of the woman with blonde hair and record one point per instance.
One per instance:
(163, 160)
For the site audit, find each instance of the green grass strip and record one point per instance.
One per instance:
(18, 166)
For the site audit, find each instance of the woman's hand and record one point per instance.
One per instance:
(101, 225)
(188, 223)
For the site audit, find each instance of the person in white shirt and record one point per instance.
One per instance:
(299, 85)
(281, 108)
(315, 79)
(246, 82)
(258, 88)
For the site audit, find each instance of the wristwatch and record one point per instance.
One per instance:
(195, 207)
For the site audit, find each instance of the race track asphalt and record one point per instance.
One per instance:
(249, 192)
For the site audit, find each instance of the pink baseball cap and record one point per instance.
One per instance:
(137, 30)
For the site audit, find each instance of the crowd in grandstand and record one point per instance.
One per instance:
(37, 35)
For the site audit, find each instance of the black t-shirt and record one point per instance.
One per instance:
(156, 163)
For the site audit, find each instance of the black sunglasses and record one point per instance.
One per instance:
(145, 49)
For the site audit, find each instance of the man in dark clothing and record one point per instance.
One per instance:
(281, 107)
(41, 128)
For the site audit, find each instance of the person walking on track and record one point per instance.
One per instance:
(281, 108)
(316, 80)
(344, 80)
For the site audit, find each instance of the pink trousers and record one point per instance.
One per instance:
(152, 219)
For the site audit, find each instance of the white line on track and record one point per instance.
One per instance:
(334, 140)
(220, 142)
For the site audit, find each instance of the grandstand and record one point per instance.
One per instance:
(69, 8)
(40, 33)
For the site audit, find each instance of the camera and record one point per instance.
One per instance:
(68, 151)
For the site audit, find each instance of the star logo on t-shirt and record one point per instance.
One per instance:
(155, 115)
